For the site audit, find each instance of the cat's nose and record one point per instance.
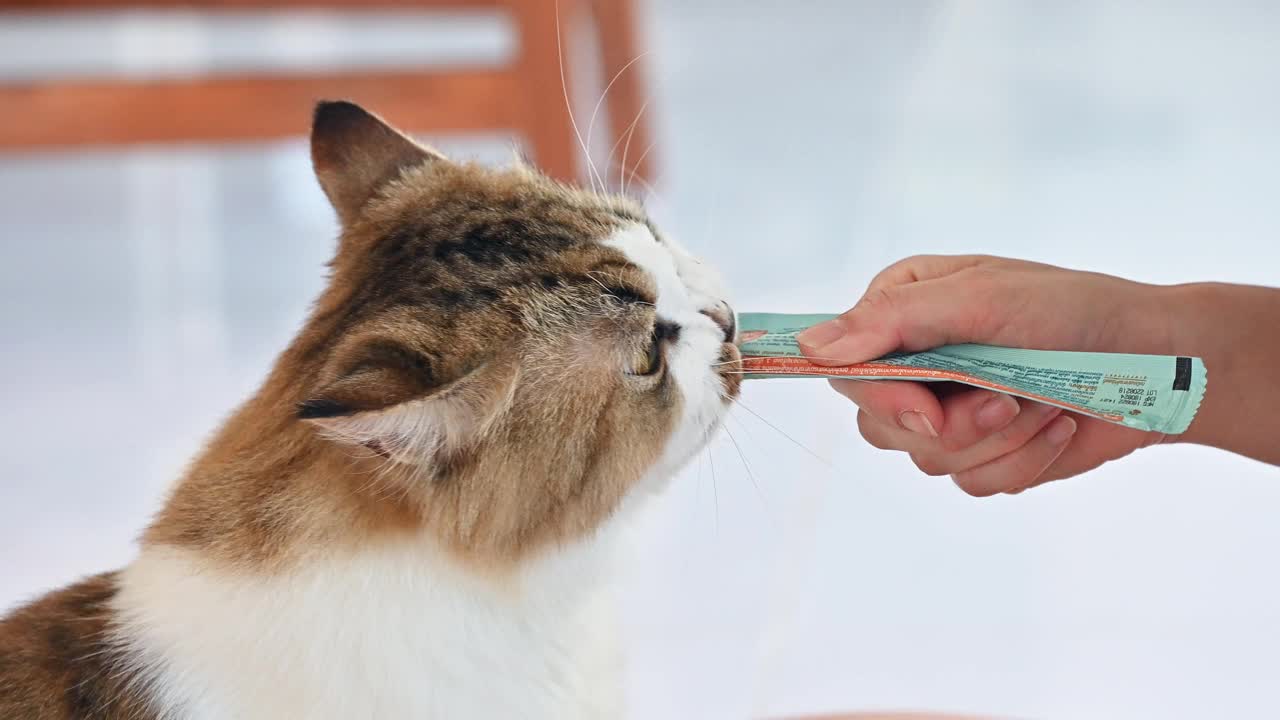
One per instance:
(724, 316)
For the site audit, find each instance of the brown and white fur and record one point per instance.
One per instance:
(414, 517)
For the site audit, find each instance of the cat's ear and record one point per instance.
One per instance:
(354, 153)
(403, 400)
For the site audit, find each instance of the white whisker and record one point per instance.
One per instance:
(622, 165)
(756, 375)
(593, 175)
(648, 187)
(591, 123)
(780, 431)
(632, 175)
(715, 492)
(628, 133)
(746, 466)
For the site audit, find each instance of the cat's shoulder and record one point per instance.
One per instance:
(58, 659)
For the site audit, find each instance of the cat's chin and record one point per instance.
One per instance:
(681, 452)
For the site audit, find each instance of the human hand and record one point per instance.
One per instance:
(989, 442)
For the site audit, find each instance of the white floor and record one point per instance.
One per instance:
(805, 146)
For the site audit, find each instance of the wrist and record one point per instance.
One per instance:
(1157, 321)
(1232, 328)
(1192, 315)
(1188, 315)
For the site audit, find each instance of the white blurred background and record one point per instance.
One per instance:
(802, 147)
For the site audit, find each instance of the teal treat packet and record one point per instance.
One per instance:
(1155, 393)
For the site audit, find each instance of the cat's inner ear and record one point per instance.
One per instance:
(405, 401)
(374, 375)
(354, 153)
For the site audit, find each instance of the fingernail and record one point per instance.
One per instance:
(917, 422)
(1060, 431)
(997, 412)
(821, 335)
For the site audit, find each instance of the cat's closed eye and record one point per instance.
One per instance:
(649, 360)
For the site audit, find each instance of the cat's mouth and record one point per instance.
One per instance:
(729, 363)
(724, 316)
(729, 367)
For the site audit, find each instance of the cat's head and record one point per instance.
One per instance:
(518, 354)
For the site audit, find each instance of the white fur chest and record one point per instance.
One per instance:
(396, 632)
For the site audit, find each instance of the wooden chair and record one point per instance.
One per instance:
(525, 97)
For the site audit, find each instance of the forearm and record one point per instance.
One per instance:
(1236, 330)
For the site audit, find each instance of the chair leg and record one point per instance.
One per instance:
(619, 49)
(543, 40)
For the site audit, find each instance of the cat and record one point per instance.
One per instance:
(416, 515)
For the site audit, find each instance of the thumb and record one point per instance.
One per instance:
(916, 316)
